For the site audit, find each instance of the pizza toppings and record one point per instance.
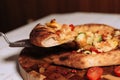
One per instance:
(107, 45)
(87, 40)
(91, 51)
(117, 33)
(87, 52)
(63, 31)
(94, 42)
(94, 73)
(72, 27)
(81, 37)
(117, 71)
(53, 24)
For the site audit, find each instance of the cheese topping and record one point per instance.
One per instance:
(101, 40)
(53, 24)
(65, 32)
(87, 40)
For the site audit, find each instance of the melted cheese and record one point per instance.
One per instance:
(96, 40)
(102, 40)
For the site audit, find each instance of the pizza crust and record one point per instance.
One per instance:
(42, 37)
(81, 60)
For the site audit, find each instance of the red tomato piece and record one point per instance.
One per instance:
(94, 73)
(58, 32)
(94, 49)
(117, 71)
(72, 27)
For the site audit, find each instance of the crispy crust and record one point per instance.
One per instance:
(81, 61)
(42, 36)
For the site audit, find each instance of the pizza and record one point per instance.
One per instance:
(96, 44)
(52, 34)
(81, 46)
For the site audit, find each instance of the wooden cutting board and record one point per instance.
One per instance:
(36, 64)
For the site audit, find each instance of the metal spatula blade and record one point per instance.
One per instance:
(20, 43)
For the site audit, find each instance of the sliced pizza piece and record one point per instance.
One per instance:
(99, 37)
(42, 36)
(52, 34)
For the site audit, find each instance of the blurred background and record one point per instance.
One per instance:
(15, 13)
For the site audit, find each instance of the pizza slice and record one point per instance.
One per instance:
(52, 34)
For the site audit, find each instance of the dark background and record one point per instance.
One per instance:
(15, 13)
